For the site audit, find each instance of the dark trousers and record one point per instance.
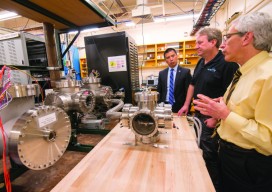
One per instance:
(244, 170)
(209, 148)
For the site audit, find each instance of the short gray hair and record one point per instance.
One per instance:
(212, 33)
(261, 25)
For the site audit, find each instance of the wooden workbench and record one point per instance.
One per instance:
(116, 164)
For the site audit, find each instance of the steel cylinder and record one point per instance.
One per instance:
(147, 99)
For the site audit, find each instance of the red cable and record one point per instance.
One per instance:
(5, 169)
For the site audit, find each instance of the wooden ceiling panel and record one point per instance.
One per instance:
(28, 13)
(63, 14)
(72, 10)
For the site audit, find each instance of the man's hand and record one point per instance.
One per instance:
(211, 122)
(183, 110)
(215, 108)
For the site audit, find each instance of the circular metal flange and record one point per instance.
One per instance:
(91, 80)
(143, 123)
(40, 137)
(108, 92)
(68, 83)
(61, 100)
(17, 91)
(146, 96)
(147, 99)
(85, 101)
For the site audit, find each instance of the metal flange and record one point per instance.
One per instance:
(40, 137)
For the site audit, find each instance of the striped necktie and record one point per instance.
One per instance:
(235, 79)
(171, 87)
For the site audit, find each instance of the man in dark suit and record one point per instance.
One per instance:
(181, 80)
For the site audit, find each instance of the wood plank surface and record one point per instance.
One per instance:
(117, 164)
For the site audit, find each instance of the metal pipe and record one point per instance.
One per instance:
(113, 112)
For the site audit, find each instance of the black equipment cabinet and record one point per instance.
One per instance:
(100, 47)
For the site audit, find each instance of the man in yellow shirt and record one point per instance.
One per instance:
(245, 112)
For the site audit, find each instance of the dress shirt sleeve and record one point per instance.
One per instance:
(258, 129)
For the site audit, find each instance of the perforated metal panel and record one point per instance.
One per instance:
(100, 47)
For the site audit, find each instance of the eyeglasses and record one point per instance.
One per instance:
(227, 36)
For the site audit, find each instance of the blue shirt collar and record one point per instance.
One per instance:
(175, 68)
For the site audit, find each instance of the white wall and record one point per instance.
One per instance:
(267, 8)
(243, 6)
(149, 33)
(153, 33)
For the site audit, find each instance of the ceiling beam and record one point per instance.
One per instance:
(45, 12)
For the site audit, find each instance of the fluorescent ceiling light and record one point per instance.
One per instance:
(130, 24)
(174, 18)
(72, 32)
(84, 31)
(6, 15)
(90, 30)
